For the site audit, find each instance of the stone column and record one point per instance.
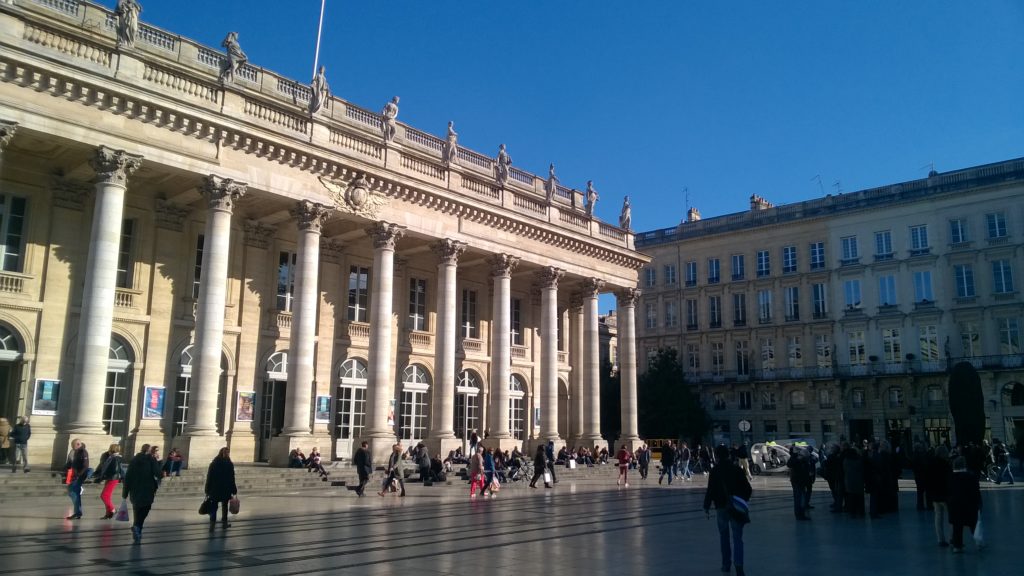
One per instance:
(579, 394)
(548, 279)
(626, 318)
(502, 266)
(204, 441)
(441, 437)
(591, 363)
(97, 318)
(378, 398)
(302, 340)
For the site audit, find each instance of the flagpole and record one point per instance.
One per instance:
(319, 29)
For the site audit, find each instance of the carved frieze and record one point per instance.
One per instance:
(170, 216)
(331, 250)
(69, 193)
(356, 197)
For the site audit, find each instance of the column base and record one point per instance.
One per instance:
(281, 446)
(504, 444)
(631, 442)
(95, 444)
(442, 446)
(380, 448)
(594, 442)
(199, 451)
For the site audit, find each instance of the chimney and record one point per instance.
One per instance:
(692, 215)
(759, 203)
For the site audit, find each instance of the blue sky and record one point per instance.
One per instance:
(725, 99)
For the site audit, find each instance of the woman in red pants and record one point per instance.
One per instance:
(109, 473)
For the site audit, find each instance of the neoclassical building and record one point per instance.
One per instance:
(839, 316)
(198, 252)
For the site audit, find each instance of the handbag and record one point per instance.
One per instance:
(739, 510)
(204, 508)
(233, 505)
(547, 477)
(122, 511)
(979, 534)
(495, 484)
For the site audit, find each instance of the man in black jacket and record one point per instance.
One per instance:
(364, 466)
(19, 443)
(668, 461)
(725, 482)
(799, 477)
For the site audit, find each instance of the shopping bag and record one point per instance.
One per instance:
(571, 464)
(547, 477)
(204, 508)
(69, 476)
(122, 511)
(979, 534)
(233, 505)
(495, 485)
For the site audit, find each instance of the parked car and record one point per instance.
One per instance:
(767, 457)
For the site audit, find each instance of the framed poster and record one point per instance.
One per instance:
(536, 416)
(44, 400)
(246, 407)
(391, 413)
(153, 408)
(322, 409)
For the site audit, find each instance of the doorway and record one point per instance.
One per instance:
(271, 415)
(862, 430)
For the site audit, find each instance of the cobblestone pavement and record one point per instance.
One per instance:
(587, 528)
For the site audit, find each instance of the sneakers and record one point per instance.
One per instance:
(74, 517)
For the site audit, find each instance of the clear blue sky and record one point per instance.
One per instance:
(726, 99)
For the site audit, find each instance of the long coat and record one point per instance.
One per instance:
(220, 480)
(142, 480)
(964, 498)
(853, 472)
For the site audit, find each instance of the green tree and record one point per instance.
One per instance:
(667, 406)
(611, 402)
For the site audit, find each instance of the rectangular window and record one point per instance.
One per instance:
(742, 358)
(718, 400)
(650, 277)
(996, 222)
(795, 353)
(517, 321)
(197, 267)
(418, 306)
(691, 314)
(746, 400)
(739, 309)
(671, 314)
(1009, 336)
(923, 286)
(715, 311)
(850, 253)
(792, 294)
(12, 233)
(714, 271)
(768, 403)
(957, 231)
(797, 399)
(358, 294)
(738, 267)
(857, 397)
(828, 431)
(789, 259)
(823, 351)
(651, 315)
(691, 274)
(964, 274)
(826, 399)
(928, 336)
(820, 302)
(895, 397)
(764, 306)
(124, 255)
(887, 290)
(693, 358)
(851, 292)
(970, 339)
(1002, 277)
(891, 347)
(285, 280)
(918, 240)
(799, 427)
(883, 245)
(717, 358)
(855, 340)
(767, 354)
(670, 274)
(817, 255)
(470, 322)
(771, 427)
(764, 263)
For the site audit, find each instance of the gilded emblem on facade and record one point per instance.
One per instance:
(356, 197)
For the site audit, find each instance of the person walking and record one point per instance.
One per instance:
(476, 472)
(936, 476)
(549, 452)
(491, 458)
(220, 487)
(799, 477)
(964, 501)
(5, 441)
(140, 485)
(853, 481)
(668, 461)
(423, 462)
(394, 470)
(624, 457)
(19, 444)
(743, 455)
(474, 439)
(727, 481)
(78, 464)
(1002, 459)
(364, 467)
(643, 460)
(109, 472)
(540, 464)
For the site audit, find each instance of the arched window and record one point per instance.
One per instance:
(415, 389)
(183, 388)
(1013, 394)
(934, 396)
(10, 346)
(118, 389)
(797, 400)
(467, 403)
(351, 400)
(516, 393)
(895, 397)
(277, 366)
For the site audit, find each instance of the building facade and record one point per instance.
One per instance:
(840, 316)
(198, 252)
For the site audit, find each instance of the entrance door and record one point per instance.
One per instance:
(898, 433)
(8, 392)
(348, 422)
(271, 411)
(861, 430)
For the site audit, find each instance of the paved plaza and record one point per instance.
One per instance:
(572, 529)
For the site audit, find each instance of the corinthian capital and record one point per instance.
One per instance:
(114, 166)
(221, 193)
(310, 215)
(502, 265)
(7, 130)
(548, 277)
(628, 296)
(448, 251)
(592, 287)
(385, 235)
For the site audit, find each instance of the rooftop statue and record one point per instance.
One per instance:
(502, 165)
(321, 92)
(127, 12)
(626, 216)
(591, 198)
(235, 58)
(551, 186)
(451, 150)
(390, 117)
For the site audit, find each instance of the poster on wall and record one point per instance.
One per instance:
(44, 401)
(391, 413)
(322, 410)
(536, 416)
(246, 407)
(153, 408)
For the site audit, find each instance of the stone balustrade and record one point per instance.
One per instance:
(12, 283)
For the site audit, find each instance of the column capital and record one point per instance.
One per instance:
(385, 234)
(171, 216)
(7, 130)
(592, 287)
(331, 250)
(628, 296)
(310, 215)
(448, 251)
(114, 166)
(502, 265)
(258, 234)
(70, 194)
(548, 276)
(221, 193)
(576, 301)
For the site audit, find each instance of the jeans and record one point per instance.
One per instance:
(75, 493)
(1004, 472)
(223, 511)
(941, 511)
(799, 500)
(141, 512)
(22, 450)
(686, 472)
(725, 523)
(666, 470)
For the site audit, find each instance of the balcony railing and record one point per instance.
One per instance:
(12, 283)
(995, 362)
